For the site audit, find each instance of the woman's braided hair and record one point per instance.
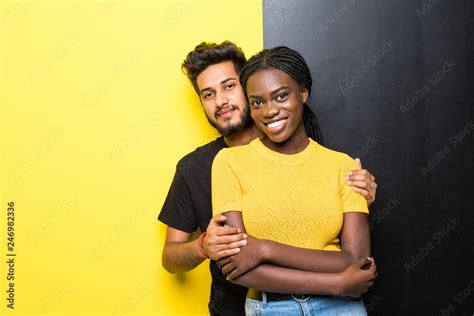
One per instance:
(293, 64)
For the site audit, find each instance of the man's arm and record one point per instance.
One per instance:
(180, 254)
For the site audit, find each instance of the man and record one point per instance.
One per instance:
(213, 70)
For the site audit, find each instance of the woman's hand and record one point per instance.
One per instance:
(249, 257)
(357, 278)
(363, 182)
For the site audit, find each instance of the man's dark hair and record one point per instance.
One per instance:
(207, 54)
(293, 64)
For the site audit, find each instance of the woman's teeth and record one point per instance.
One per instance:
(276, 124)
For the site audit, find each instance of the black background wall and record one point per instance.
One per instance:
(393, 85)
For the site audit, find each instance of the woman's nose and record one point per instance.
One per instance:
(270, 110)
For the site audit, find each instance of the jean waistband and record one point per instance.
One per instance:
(268, 296)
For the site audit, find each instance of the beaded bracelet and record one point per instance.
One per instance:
(202, 251)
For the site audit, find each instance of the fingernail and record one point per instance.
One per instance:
(349, 182)
(245, 235)
(350, 172)
(244, 242)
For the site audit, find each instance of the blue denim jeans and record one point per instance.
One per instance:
(316, 305)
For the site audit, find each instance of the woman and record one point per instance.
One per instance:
(288, 188)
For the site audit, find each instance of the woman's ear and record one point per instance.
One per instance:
(304, 94)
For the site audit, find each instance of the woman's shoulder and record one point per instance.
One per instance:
(337, 157)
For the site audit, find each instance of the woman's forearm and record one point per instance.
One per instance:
(275, 279)
(314, 260)
(355, 244)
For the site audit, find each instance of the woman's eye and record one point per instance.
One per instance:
(256, 103)
(281, 96)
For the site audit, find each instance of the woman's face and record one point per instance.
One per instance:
(276, 104)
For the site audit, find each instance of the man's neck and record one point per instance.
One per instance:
(243, 137)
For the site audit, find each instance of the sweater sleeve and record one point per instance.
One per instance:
(351, 200)
(226, 190)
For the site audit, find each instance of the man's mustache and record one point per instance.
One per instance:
(225, 109)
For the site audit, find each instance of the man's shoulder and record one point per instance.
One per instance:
(201, 156)
(237, 152)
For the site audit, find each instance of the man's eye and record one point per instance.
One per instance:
(230, 86)
(207, 95)
(281, 96)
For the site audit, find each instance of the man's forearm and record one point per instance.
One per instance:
(315, 260)
(181, 256)
(275, 279)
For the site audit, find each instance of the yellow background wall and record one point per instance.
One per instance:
(95, 115)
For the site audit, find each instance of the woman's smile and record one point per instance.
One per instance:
(275, 126)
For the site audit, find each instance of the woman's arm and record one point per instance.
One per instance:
(275, 279)
(355, 244)
(353, 281)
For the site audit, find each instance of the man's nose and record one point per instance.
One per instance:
(221, 99)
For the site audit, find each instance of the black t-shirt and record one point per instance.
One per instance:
(188, 206)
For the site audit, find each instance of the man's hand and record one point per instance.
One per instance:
(222, 241)
(363, 182)
(356, 279)
(248, 258)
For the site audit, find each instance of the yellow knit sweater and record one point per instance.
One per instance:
(297, 199)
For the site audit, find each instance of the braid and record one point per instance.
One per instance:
(311, 125)
(293, 64)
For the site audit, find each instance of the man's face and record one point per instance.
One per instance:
(223, 99)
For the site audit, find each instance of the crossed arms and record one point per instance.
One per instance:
(281, 268)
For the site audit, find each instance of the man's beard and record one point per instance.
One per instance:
(245, 121)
